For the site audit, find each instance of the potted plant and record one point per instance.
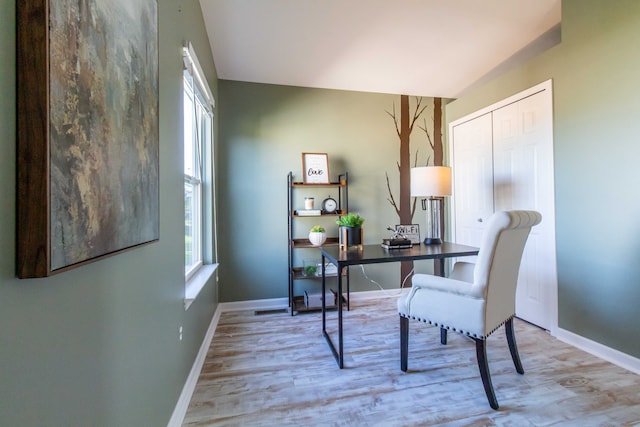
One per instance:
(350, 229)
(317, 235)
(310, 270)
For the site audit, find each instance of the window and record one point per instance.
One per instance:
(199, 220)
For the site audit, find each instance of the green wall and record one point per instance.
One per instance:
(595, 72)
(265, 129)
(99, 345)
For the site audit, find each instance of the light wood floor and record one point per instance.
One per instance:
(277, 370)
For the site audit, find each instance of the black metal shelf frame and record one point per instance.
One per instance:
(342, 186)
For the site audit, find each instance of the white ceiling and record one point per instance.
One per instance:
(415, 47)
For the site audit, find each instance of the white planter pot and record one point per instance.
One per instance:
(317, 238)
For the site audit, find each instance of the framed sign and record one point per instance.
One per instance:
(88, 140)
(315, 168)
(411, 232)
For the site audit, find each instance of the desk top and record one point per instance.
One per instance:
(373, 254)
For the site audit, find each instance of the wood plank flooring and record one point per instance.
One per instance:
(277, 370)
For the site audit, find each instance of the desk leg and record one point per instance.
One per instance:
(340, 342)
(440, 271)
(336, 354)
(348, 290)
(324, 304)
(440, 267)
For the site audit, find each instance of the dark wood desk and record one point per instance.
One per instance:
(375, 254)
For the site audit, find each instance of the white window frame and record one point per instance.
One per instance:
(196, 121)
(201, 178)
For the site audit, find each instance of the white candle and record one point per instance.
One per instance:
(308, 202)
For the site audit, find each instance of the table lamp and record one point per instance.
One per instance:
(431, 183)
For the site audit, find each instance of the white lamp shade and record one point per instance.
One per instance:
(431, 181)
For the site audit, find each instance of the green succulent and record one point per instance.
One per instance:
(350, 220)
(310, 270)
(317, 229)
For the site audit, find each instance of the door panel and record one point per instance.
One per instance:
(523, 151)
(472, 179)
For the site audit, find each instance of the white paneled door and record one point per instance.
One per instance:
(472, 178)
(516, 173)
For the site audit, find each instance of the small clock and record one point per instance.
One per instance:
(329, 206)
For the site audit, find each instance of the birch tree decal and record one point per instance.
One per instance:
(404, 124)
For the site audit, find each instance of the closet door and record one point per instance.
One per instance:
(472, 179)
(523, 179)
(502, 159)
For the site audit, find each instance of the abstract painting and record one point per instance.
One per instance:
(100, 132)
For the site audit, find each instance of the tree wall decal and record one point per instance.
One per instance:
(404, 124)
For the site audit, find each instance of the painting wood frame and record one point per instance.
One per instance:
(87, 132)
(315, 168)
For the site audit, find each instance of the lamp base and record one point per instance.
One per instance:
(432, 241)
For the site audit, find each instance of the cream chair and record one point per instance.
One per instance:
(477, 298)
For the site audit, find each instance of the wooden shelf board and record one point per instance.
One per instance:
(305, 243)
(339, 212)
(341, 183)
(297, 274)
(300, 307)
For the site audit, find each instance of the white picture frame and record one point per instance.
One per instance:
(315, 168)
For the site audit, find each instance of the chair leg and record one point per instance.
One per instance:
(404, 343)
(513, 348)
(481, 353)
(443, 336)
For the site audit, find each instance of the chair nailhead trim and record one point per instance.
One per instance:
(454, 329)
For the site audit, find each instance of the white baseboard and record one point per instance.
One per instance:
(259, 304)
(381, 293)
(190, 385)
(283, 303)
(616, 357)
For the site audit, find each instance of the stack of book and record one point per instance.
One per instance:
(396, 243)
(308, 212)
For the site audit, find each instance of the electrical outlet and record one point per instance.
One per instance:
(180, 333)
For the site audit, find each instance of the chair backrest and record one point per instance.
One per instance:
(498, 263)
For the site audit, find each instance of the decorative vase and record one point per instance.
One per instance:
(350, 236)
(317, 238)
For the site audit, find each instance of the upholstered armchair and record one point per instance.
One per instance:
(476, 299)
